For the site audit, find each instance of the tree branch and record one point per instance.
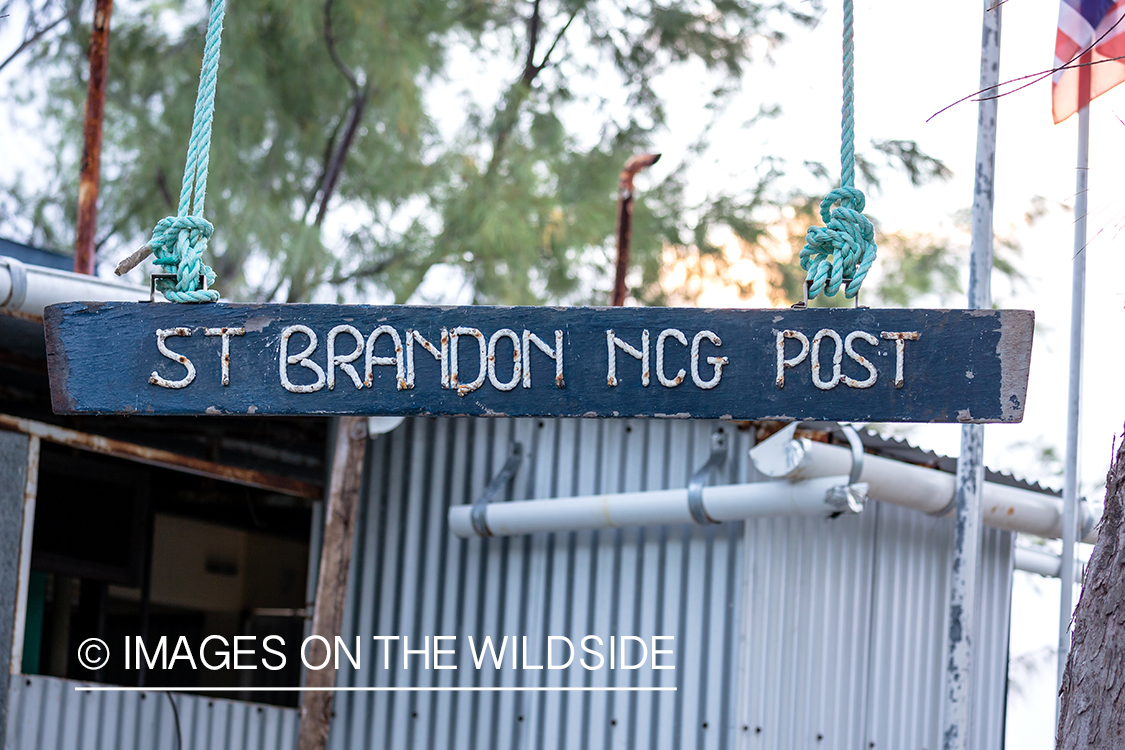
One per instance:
(558, 37)
(336, 166)
(529, 69)
(330, 41)
(360, 94)
(329, 149)
(36, 37)
(162, 186)
(508, 116)
(276, 288)
(369, 271)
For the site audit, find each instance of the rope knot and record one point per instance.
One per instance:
(178, 243)
(842, 251)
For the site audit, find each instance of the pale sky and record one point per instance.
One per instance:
(913, 59)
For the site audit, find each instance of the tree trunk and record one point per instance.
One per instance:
(1092, 713)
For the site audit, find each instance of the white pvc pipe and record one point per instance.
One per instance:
(1044, 563)
(25, 289)
(889, 481)
(931, 491)
(722, 503)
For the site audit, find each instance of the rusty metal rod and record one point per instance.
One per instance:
(163, 459)
(84, 244)
(625, 220)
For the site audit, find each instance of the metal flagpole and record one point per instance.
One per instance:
(1074, 392)
(957, 690)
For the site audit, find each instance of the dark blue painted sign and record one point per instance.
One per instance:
(832, 364)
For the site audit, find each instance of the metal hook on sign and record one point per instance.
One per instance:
(695, 485)
(479, 514)
(850, 497)
(169, 277)
(804, 296)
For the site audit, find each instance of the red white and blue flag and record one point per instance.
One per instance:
(1089, 31)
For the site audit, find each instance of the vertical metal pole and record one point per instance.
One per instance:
(1074, 392)
(92, 145)
(970, 466)
(624, 231)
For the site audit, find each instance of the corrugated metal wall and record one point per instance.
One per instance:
(48, 714)
(789, 632)
(410, 577)
(845, 632)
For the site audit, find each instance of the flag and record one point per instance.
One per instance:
(1082, 24)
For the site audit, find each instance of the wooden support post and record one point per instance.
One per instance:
(332, 582)
(84, 244)
(19, 472)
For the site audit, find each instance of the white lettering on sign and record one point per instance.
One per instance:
(837, 358)
(162, 335)
(841, 346)
(872, 375)
(782, 362)
(344, 360)
(492, 356)
(517, 360)
(716, 362)
(900, 338)
(556, 354)
(615, 343)
(447, 356)
(454, 364)
(441, 356)
(660, 376)
(226, 333)
(371, 360)
(285, 360)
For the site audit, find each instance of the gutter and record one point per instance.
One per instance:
(25, 290)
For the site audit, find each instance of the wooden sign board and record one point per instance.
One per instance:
(790, 364)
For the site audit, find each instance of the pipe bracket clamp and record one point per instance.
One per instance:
(695, 485)
(850, 497)
(478, 516)
(18, 292)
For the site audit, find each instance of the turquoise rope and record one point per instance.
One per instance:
(178, 241)
(841, 252)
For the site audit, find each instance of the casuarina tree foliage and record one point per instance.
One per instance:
(359, 145)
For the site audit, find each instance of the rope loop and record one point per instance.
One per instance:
(842, 251)
(178, 243)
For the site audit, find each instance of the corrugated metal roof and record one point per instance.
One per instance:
(36, 256)
(903, 450)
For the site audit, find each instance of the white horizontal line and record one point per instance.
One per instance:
(119, 689)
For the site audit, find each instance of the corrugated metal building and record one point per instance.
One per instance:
(788, 632)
